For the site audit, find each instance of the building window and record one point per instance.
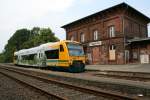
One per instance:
(111, 31)
(112, 52)
(95, 35)
(112, 47)
(82, 37)
(72, 38)
(135, 55)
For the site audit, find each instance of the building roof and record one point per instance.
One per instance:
(139, 40)
(113, 7)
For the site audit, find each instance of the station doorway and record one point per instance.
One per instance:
(95, 55)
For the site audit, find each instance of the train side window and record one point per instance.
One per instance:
(31, 56)
(52, 54)
(61, 48)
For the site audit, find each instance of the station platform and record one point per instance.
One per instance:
(127, 68)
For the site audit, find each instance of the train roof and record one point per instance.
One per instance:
(34, 50)
(42, 47)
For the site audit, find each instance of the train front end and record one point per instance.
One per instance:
(76, 57)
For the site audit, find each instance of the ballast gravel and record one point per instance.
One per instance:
(12, 90)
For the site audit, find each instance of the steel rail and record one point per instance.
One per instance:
(83, 89)
(37, 88)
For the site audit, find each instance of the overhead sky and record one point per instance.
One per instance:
(17, 14)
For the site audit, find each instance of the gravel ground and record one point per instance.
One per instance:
(56, 89)
(102, 85)
(124, 89)
(11, 90)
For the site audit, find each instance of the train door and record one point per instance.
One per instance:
(63, 56)
(38, 59)
(42, 59)
(20, 59)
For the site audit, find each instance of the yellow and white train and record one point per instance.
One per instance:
(63, 54)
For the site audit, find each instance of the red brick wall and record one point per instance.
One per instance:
(140, 49)
(134, 26)
(102, 26)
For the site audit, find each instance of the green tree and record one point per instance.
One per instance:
(2, 57)
(24, 38)
(46, 35)
(15, 43)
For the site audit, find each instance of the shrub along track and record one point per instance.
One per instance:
(61, 90)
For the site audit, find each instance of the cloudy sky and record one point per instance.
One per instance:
(17, 14)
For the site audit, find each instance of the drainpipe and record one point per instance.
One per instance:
(124, 33)
(123, 39)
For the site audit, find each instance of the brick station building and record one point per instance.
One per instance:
(117, 35)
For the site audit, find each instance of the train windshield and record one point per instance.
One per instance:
(75, 49)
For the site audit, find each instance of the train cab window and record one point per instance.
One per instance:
(61, 48)
(52, 54)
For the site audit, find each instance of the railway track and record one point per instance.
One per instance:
(62, 90)
(134, 76)
(32, 86)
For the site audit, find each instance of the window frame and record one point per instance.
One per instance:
(72, 38)
(82, 37)
(111, 31)
(112, 47)
(95, 34)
